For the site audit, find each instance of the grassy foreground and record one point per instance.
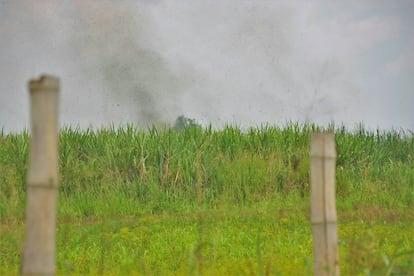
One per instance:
(214, 202)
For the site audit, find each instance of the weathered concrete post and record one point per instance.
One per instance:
(323, 209)
(42, 187)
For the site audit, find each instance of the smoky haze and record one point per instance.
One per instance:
(116, 47)
(239, 62)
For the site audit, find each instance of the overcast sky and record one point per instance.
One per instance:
(238, 62)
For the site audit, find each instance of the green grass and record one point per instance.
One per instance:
(215, 202)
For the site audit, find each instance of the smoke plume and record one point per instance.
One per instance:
(119, 48)
(239, 62)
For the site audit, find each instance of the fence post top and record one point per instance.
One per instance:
(323, 145)
(45, 82)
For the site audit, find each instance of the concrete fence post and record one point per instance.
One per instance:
(42, 187)
(323, 206)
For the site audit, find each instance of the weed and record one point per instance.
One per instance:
(203, 201)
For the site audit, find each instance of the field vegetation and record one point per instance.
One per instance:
(199, 201)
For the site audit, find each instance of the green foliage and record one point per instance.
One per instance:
(190, 200)
(183, 122)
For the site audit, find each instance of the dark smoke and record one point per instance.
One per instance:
(120, 46)
(235, 61)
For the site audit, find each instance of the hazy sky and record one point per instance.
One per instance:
(239, 62)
